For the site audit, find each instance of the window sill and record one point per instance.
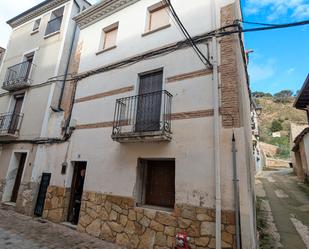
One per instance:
(34, 32)
(52, 34)
(156, 30)
(105, 50)
(157, 208)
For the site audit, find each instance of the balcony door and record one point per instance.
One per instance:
(15, 117)
(28, 65)
(149, 102)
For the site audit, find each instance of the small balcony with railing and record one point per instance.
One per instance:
(18, 76)
(10, 124)
(145, 117)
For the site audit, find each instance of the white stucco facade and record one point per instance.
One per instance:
(50, 57)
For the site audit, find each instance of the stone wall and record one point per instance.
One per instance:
(2, 184)
(26, 198)
(115, 219)
(56, 204)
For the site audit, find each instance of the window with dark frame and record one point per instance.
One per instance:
(158, 17)
(55, 21)
(156, 183)
(36, 24)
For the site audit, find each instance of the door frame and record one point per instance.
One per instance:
(137, 91)
(149, 72)
(7, 192)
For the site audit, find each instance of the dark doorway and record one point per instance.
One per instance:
(76, 191)
(149, 102)
(18, 177)
(19, 99)
(39, 207)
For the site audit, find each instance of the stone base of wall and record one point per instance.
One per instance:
(56, 204)
(2, 184)
(26, 199)
(115, 219)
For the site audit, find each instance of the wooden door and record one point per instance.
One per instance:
(15, 118)
(149, 102)
(18, 177)
(39, 207)
(160, 183)
(76, 191)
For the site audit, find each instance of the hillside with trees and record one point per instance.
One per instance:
(277, 115)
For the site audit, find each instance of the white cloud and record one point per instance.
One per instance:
(290, 70)
(263, 71)
(12, 8)
(278, 8)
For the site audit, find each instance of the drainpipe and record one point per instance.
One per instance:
(236, 194)
(59, 109)
(217, 125)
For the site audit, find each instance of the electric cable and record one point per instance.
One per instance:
(199, 53)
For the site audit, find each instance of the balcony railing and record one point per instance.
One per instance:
(143, 117)
(53, 25)
(17, 76)
(10, 123)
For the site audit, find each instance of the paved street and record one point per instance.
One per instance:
(21, 232)
(286, 204)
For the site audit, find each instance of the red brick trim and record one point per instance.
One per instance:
(94, 126)
(193, 114)
(230, 95)
(189, 75)
(175, 116)
(105, 94)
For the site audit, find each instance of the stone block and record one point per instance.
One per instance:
(156, 226)
(147, 239)
(208, 228)
(201, 241)
(170, 231)
(166, 219)
(122, 239)
(94, 228)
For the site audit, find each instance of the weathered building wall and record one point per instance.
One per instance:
(108, 205)
(50, 60)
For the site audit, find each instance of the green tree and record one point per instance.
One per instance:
(283, 96)
(276, 126)
(257, 94)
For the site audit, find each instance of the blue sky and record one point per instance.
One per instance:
(280, 57)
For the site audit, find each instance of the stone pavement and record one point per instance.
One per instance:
(22, 232)
(286, 203)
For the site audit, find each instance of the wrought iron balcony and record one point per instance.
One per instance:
(145, 117)
(10, 124)
(53, 25)
(18, 76)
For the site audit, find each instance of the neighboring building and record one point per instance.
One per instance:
(150, 151)
(300, 136)
(2, 52)
(295, 156)
(38, 52)
(276, 134)
(257, 152)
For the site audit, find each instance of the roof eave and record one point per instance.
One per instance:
(305, 85)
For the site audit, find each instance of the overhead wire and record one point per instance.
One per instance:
(184, 31)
